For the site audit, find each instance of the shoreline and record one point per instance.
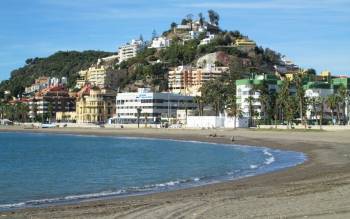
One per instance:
(300, 158)
(258, 188)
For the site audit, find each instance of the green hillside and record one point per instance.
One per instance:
(61, 64)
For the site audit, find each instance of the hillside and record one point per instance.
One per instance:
(61, 64)
(150, 66)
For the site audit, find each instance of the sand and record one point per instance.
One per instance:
(319, 188)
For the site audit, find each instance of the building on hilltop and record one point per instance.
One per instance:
(130, 50)
(152, 106)
(209, 37)
(160, 43)
(245, 45)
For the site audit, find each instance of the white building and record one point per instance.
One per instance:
(160, 42)
(314, 93)
(207, 39)
(130, 50)
(199, 122)
(245, 91)
(153, 106)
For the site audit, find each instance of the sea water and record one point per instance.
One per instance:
(46, 169)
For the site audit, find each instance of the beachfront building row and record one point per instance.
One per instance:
(150, 106)
(248, 95)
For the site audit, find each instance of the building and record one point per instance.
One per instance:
(94, 105)
(130, 50)
(245, 89)
(101, 76)
(207, 39)
(44, 82)
(245, 45)
(152, 106)
(160, 43)
(66, 116)
(325, 86)
(188, 80)
(49, 101)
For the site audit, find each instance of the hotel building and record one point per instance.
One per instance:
(153, 106)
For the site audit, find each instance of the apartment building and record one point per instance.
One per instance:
(51, 100)
(245, 89)
(101, 76)
(188, 80)
(130, 50)
(44, 82)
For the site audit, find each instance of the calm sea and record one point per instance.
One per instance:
(45, 169)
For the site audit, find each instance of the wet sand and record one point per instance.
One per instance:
(319, 188)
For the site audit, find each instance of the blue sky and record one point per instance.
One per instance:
(313, 33)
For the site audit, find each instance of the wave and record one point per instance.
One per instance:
(253, 166)
(270, 158)
(104, 194)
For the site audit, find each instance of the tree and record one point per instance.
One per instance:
(173, 25)
(283, 98)
(138, 117)
(214, 17)
(298, 80)
(189, 18)
(2, 110)
(250, 100)
(232, 108)
(264, 99)
(201, 19)
(213, 93)
(290, 109)
(199, 101)
(50, 111)
(343, 95)
(321, 101)
(332, 104)
(154, 34)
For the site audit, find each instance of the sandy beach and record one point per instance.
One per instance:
(319, 188)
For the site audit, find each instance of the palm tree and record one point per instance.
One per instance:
(332, 104)
(2, 110)
(250, 100)
(232, 108)
(264, 99)
(199, 101)
(320, 101)
(343, 94)
(282, 97)
(298, 80)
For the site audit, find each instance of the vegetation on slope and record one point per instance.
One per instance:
(61, 64)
